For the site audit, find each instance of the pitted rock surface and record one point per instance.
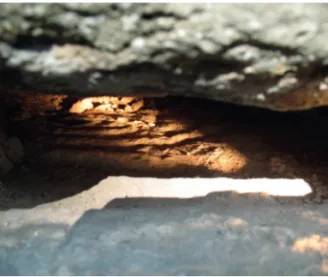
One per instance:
(267, 55)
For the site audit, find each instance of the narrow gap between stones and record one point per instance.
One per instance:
(70, 144)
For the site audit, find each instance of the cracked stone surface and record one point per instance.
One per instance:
(267, 55)
(99, 232)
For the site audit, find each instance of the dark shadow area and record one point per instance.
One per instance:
(69, 153)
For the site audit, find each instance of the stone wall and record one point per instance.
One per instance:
(266, 55)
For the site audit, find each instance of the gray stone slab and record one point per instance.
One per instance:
(220, 234)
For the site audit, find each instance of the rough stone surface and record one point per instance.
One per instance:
(11, 148)
(93, 233)
(267, 55)
(5, 164)
(14, 150)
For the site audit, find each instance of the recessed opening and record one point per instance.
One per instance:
(72, 144)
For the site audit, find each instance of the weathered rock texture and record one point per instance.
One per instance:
(221, 234)
(267, 55)
(11, 148)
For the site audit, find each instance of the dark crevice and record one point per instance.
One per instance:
(31, 42)
(259, 44)
(319, 71)
(158, 14)
(85, 13)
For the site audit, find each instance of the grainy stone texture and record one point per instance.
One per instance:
(14, 150)
(5, 164)
(11, 153)
(226, 233)
(267, 55)
(11, 148)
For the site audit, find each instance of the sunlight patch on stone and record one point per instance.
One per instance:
(121, 187)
